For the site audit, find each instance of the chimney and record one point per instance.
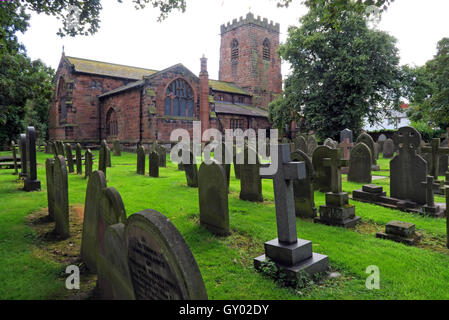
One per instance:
(204, 95)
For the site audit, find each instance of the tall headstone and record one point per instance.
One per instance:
(14, 158)
(407, 169)
(322, 179)
(191, 171)
(117, 149)
(23, 155)
(79, 160)
(88, 162)
(250, 181)
(360, 164)
(290, 254)
(444, 159)
(61, 192)
(108, 156)
(102, 163)
(69, 157)
(141, 160)
(154, 164)
(162, 156)
(366, 139)
(388, 149)
(303, 189)
(213, 198)
(92, 207)
(49, 170)
(31, 182)
(381, 140)
(161, 265)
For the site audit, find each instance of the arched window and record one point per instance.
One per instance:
(111, 123)
(235, 51)
(266, 49)
(179, 99)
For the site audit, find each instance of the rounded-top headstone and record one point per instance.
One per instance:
(161, 265)
(322, 178)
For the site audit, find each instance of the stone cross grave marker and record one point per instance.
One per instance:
(79, 160)
(434, 151)
(61, 192)
(430, 208)
(346, 134)
(49, 171)
(31, 182)
(335, 162)
(23, 155)
(291, 254)
(141, 160)
(88, 161)
(303, 189)
(346, 146)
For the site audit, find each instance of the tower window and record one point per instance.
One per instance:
(234, 50)
(266, 50)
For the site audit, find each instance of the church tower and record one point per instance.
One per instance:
(248, 57)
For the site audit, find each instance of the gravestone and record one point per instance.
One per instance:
(79, 160)
(61, 196)
(444, 159)
(346, 134)
(250, 181)
(430, 208)
(366, 139)
(117, 149)
(23, 155)
(88, 161)
(108, 156)
(154, 164)
(50, 147)
(213, 198)
(31, 182)
(303, 189)
(162, 156)
(346, 148)
(191, 171)
(69, 157)
(407, 169)
(322, 178)
(311, 145)
(92, 207)
(290, 254)
(337, 211)
(161, 265)
(360, 164)
(14, 157)
(434, 151)
(49, 171)
(402, 232)
(60, 148)
(388, 149)
(300, 144)
(329, 143)
(236, 155)
(381, 140)
(141, 160)
(376, 150)
(102, 162)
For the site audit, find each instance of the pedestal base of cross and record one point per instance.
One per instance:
(291, 255)
(31, 185)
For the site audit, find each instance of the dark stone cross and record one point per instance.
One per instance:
(346, 146)
(335, 163)
(283, 194)
(431, 187)
(435, 151)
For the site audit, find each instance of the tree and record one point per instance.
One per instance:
(340, 75)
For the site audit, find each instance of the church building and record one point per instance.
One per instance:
(98, 100)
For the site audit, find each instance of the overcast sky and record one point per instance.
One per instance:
(133, 37)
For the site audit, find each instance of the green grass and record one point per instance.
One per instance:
(226, 264)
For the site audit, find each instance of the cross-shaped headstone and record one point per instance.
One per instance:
(431, 187)
(335, 163)
(283, 194)
(435, 151)
(346, 146)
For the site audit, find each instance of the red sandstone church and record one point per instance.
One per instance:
(97, 100)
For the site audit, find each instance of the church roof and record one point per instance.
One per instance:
(123, 88)
(238, 108)
(227, 87)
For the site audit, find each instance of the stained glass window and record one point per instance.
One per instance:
(179, 99)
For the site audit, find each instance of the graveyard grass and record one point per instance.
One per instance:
(226, 263)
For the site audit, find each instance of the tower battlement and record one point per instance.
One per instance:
(250, 19)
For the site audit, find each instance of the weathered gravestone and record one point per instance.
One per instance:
(49, 170)
(92, 207)
(300, 144)
(141, 160)
(117, 149)
(434, 151)
(407, 169)
(161, 265)
(79, 160)
(444, 159)
(61, 196)
(322, 178)
(381, 141)
(191, 170)
(102, 162)
(330, 143)
(303, 189)
(402, 232)
(31, 182)
(213, 198)
(108, 157)
(311, 145)
(154, 164)
(69, 157)
(388, 149)
(88, 162)
(23, 155)
(162, 156)
(237, 154)
(60, 148)
(291, 255)
(14, 157)
(337, 211)
(366, 139)
(346, 148)
(250, 181)
(50, 147)
(360, 164)
(346, 134)
(376, 150)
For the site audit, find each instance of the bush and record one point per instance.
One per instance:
(427, 133)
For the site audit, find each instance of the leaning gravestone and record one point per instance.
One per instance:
(94, 192)
(161, 265)
(303, 189)
(31, 182)
(191, 171)
(49, 170)
(69, 157)
(117, 150)
(407, 169)
(88, 163)
(102, 163)
(23, 155)
(366, 139)
(388, 149)
(78, 159)
(250, 181)
(61, 196)
(213, 198)
(322, 178)
(360, 164)
(154, 164)
(141, 160)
